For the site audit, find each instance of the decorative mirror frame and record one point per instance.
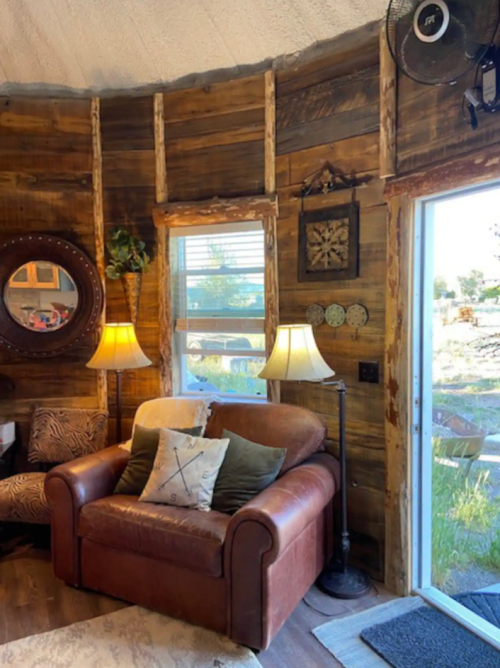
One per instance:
(43, 247)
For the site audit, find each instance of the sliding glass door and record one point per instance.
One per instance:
(456, 425)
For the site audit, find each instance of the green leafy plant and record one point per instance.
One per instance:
(127, 254)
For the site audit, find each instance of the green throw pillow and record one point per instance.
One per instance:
(142, 457)
(247, 469)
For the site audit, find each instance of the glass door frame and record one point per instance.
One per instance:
(421, 464)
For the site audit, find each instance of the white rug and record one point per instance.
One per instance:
(341, 636)
(130, 638)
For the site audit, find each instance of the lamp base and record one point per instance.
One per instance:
(348, 583)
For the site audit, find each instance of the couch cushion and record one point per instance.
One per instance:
(248, 468)
(22, 499)
(182, 536)
(298, 430)
(142, 457)
(62, 434)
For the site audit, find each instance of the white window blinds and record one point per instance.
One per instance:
(219, 307)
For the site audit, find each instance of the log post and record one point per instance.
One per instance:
(398, 395)
(98, 212)
(271, 236)
(388, 109)
(166, 333)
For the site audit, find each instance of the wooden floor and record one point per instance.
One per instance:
(32, 601)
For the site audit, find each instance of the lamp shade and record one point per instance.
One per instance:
(295, 356)
(118, 349)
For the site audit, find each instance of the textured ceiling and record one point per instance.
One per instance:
(110, 44)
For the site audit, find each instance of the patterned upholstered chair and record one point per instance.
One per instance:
(58, 435)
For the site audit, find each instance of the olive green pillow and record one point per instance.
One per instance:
(142, 456)
(247, 469)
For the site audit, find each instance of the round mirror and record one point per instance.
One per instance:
(41, 296)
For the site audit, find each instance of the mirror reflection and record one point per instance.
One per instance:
(41, 296)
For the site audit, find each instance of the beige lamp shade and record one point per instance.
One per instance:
(295, 356)
(118, 349)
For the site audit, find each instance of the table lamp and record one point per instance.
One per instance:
(295, 357)
(118, 351)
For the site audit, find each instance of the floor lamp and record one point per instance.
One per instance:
(295, 357)
(118, 351)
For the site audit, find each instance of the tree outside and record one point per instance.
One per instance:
(471, 285)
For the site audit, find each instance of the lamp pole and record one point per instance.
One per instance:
(339, 579)
(118, 406)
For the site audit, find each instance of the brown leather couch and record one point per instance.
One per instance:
(240, 575)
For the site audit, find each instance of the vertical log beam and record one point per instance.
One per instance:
(270, 231)
(98, 211)
(162, 245)
(398, 394)
(388, 109)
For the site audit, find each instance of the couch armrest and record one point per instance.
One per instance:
(68, 488)
(260, 533)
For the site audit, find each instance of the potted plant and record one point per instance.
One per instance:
(128, 261)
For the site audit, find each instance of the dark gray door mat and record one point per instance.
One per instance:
(427, 638)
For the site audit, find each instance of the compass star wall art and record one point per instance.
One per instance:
(329, 244)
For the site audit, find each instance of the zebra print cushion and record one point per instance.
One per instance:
(22, 499)
(60, 435)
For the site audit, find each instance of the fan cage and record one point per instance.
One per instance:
(440, 78)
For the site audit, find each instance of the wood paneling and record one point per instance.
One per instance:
(215, 140)
(333, 115)
(316, 106)
(46, 185)
(129, 194)
(431, 128)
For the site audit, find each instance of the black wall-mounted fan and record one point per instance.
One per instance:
(437, 41)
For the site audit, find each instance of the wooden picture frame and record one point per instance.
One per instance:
(329, 244)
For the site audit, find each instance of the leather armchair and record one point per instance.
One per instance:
(241, 575)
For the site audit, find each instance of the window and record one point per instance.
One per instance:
(218, 300)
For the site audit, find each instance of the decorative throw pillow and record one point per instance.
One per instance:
(247, 470)
(185, 470)
(142, 457)
(60, 435)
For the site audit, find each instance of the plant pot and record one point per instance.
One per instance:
(132, 283)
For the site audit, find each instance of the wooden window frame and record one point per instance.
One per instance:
(263, 208)
(474, 168)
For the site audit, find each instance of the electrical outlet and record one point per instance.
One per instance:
(369, 372)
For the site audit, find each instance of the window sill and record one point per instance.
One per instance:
(224, 399)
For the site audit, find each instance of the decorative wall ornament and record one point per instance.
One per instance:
(357, 316)
(329, 179)
(335, 315)
(128, 260)
(329, 244)
(61, 309)
(315, 315)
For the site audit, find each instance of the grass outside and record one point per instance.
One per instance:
(235, 375)
(465, 526)
(466, 517)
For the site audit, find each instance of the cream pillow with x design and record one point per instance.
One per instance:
(185, 470)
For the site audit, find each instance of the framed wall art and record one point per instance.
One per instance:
(329, 244)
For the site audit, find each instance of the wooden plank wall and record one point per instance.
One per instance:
(129, 195)
(46, 186)
(431, 127)
(214, 138)
(326, 111)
